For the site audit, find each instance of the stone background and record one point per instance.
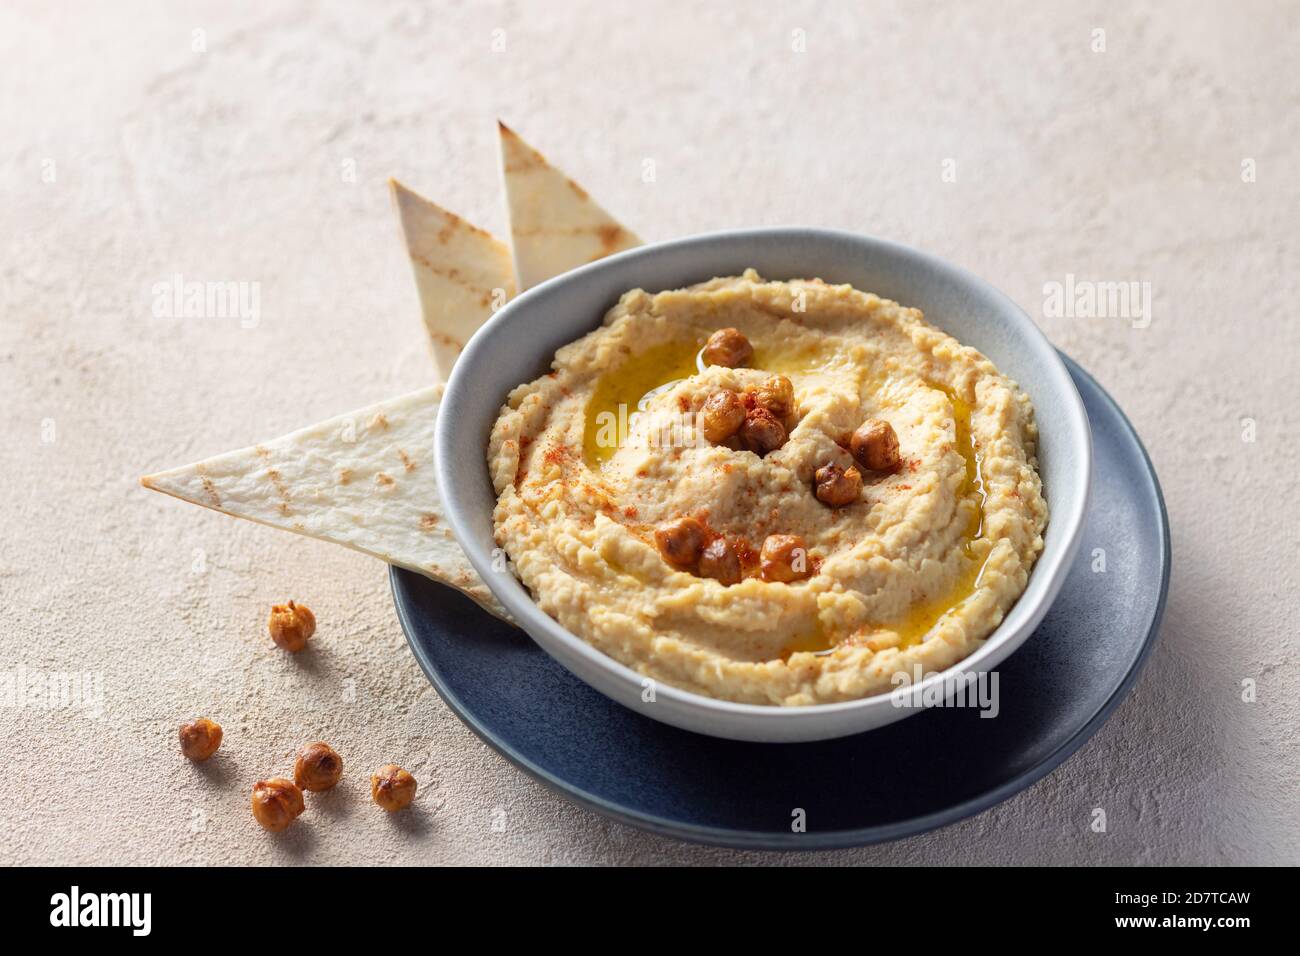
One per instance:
(233, 162)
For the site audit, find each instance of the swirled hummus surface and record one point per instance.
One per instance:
(916, 566)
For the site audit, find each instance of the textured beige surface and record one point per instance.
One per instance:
(265, 159)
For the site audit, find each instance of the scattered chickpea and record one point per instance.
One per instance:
(200, 739)
(392, 787)
(728, 347)
(721, 415)
(679, 541)
(762, 432)
(837, 487)
(318, 767)
(776, 394)
(784, 558)
(291, 625)
(720, 562)
(875, 445)
(276, 803)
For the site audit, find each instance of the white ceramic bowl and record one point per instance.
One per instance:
(517, 345)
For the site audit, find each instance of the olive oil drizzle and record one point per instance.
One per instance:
(627, 390)
(923, 616)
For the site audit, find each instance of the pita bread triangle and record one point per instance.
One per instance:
(462, 272)
(554, 225)
(364, 480)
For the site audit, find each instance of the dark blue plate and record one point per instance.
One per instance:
(923, 772)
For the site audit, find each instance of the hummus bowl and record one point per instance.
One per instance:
(517, 346)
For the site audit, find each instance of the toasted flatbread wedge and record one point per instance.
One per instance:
(463, 273)
(554, 225)
(364, 480)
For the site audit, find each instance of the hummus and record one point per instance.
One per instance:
(914, 565)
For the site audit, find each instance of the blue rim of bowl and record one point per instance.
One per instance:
(1058, 565)
(832, 839)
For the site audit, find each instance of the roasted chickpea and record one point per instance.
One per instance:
(784, 558)
(728, 347)
(276, 803)
(837, 487)
(200, 738)
(679, 541)
(875, 445)
(719, 561)
(291, 625)
(762, 431)
(318, 767)
(721, 416)
(776, 394)
(392, 787)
